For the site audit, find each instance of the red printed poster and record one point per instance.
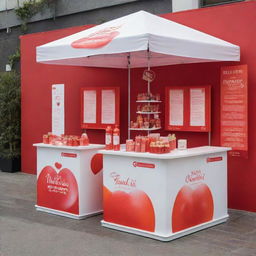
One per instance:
(108, 107)
(176, 107)
(197, 107)
(90, 106)
(234, 109)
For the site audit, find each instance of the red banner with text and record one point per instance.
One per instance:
(234, 109)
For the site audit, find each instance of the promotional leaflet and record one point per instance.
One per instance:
(108, 107)
(90, 106)
(176, 107)
(197, 107)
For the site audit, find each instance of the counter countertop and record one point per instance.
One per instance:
(91, 146)
(174, 154)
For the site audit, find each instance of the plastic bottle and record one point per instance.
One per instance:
(116, 138)
(84, 140)
(108, 138)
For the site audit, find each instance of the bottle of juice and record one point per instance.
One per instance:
(116, 138)
(108, 138)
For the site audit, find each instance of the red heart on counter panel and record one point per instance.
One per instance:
(193, 205)
(58, 191)
(97, 163)
(132, 209)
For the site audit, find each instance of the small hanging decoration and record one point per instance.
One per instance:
(148, 75)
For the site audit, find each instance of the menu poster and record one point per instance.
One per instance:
(176, 112)
(89, 107)
(197, 107)
(108, 107)
(100, 107)
(234, 109)
(58, 119)
(188, 108)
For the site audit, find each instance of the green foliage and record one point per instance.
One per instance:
(29, 9)
(9, 115)
(14, 58)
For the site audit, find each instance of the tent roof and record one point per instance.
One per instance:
(137, 35)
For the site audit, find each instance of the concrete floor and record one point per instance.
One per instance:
(24, 231)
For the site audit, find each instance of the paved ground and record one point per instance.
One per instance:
(24, 231)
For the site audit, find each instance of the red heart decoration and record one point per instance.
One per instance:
(58, 191)
(97, 163)
(193, 205)
(58, 165)
(132, 209)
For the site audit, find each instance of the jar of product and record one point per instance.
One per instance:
(130, 145)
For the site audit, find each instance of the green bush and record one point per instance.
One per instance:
(10, 115)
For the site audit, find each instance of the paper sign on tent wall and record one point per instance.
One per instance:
(188, 108)
(234, 109)
(58, 119)
(99, 107)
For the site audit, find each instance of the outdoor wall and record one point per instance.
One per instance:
(234, 23)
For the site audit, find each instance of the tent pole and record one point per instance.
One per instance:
(129, 95)
(149, 91)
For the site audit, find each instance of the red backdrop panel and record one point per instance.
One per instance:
(234, 23)
(37, 80)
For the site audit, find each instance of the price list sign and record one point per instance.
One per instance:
(234, 109)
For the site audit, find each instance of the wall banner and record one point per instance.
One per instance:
(58, 114)
(234, 109)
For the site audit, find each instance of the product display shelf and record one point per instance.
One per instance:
(147, 113)
(148, 101)
(145, 129)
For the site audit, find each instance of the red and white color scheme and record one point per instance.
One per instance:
(165, 196)
(69, 180)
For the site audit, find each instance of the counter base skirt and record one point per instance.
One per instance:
(66, 214)
(164, 238)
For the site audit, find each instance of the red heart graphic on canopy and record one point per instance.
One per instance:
(96, 40)
(58, 191)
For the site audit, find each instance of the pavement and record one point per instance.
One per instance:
(27, 232)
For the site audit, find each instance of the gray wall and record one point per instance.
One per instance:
(79, 13)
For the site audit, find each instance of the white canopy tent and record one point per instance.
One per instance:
(133, 35)
(137, 40)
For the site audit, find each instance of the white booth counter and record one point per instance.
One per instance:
(69, 180)
(165, 196)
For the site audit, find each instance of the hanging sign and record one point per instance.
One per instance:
(58, 120)
(234, 109)
(149, 75)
